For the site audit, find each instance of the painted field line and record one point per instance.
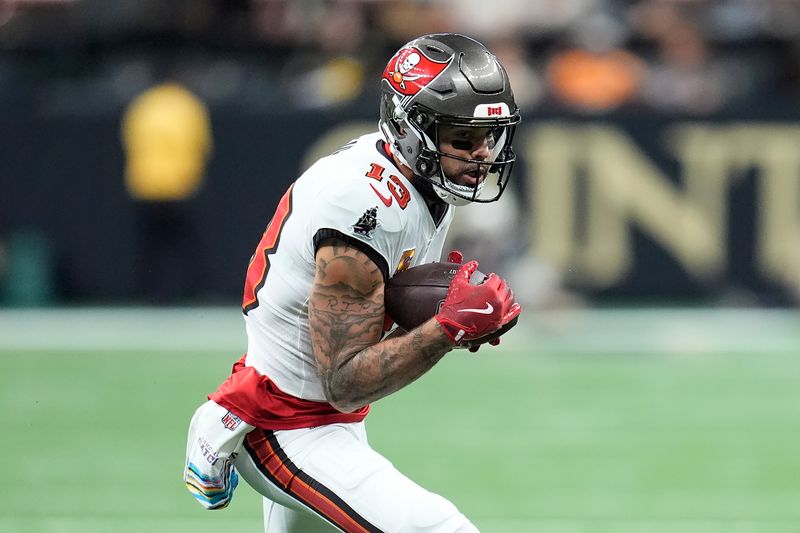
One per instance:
(583, 331)
(195, 328)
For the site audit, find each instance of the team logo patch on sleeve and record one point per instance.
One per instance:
(365, 225)
(231, 421)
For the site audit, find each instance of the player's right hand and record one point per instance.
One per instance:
(473, 311)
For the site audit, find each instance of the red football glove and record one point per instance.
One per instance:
(472, 311)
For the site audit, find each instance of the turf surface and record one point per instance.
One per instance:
(557, 430)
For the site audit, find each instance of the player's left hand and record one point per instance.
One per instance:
(455, 256)
(476, 312)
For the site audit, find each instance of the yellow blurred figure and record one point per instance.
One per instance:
(167, 136)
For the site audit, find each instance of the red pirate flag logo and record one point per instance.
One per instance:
(409, 71)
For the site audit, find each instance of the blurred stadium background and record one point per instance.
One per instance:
(652, 232)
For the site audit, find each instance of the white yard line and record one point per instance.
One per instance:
(583, 331)
(198, 328)
(660, 330)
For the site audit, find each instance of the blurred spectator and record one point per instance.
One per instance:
(332, 72)
(684, 76)
(596, 73)
(325, 63)
(775, 18)
(84, 56)
(527, 82)
(38, 23)
(400, 21)
(512, 17)
(314, 84)
(167, 136)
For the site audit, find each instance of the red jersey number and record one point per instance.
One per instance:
(258, 268)
(397, 189)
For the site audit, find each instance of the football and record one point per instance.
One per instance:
(414, 295)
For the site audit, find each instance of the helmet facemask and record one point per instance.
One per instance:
(492, 172)
(417, 139)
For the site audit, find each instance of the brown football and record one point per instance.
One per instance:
(416, 294)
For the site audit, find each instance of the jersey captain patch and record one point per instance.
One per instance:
(367, 223)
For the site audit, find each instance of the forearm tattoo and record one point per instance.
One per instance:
(346, 314)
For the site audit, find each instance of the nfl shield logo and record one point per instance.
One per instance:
(231, 421)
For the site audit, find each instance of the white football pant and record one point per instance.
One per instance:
(329, 474)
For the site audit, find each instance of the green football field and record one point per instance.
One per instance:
(591, 421)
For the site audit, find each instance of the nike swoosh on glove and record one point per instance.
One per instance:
(473, 311)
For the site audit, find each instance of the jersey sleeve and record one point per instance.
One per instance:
(354, 213)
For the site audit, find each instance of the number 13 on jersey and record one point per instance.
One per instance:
(259, 264)
(396, 187)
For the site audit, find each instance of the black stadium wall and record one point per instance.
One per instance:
(638, 206)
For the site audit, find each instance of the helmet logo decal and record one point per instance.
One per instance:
(409, 71)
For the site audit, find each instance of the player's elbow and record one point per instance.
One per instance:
(341, 395)
(342, 402)
(342, 389)
(347, 407)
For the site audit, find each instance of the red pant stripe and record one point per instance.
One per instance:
(272, 462)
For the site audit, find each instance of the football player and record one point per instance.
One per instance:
(290, 417)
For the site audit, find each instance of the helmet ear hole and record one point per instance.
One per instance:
(426, 165)
(420, 119)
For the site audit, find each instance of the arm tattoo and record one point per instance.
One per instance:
(346, 315)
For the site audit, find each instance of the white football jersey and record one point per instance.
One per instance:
(357, 192)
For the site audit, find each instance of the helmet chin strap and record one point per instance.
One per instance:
(452, 192)
(451, 198)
